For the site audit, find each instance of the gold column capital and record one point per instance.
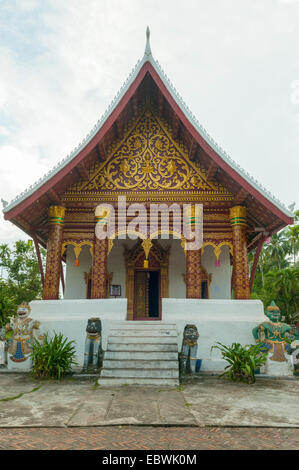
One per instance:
(102, 214)
(237, 215)
(56, 215)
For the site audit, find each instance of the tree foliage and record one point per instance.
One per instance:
(277, 274)
(20, 277)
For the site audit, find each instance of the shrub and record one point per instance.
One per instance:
(243, 361)
(53, 358)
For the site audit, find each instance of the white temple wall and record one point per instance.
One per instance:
(220, 287)
(75, 286)
(116, 263)
(177, 268)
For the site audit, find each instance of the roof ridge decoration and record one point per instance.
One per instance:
(148, 51)
(148, 57)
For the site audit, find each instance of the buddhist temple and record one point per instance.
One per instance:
(148, 148)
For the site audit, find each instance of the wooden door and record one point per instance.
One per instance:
(141, 294)
(147, 298)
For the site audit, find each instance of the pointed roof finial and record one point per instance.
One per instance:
(148, 51)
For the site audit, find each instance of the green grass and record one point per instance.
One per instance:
(20, 394)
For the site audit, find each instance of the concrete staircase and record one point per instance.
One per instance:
(143, 353)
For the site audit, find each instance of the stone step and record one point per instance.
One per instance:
(143, 332)
(141, 355)
(141, 364)
(144, 324)
(142, 373)
(152, 381)
(142, 346)
(142, 340)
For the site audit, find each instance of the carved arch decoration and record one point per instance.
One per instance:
(217, 247)
(113, 236)
(147, 242)
(77, 247)
(134, 258)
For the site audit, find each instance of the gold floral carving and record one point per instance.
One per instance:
(146, 245)
(53, 262)
(193, 274)
(240, 262)
(99, 269)
(217, 235)
(77, 247)
(110, 245)
(217, 247)
(56, 212)
(215, 216)
(148, 161)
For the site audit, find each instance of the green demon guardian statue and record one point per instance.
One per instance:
(274, 334)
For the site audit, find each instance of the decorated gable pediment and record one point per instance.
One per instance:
(148, 164)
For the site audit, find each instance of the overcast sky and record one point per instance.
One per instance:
(234, 62)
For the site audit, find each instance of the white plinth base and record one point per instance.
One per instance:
(69, 317)
(24, 366)
(2, 352)
(224, 321)
(278, 368)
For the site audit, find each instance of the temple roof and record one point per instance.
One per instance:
(215, 158)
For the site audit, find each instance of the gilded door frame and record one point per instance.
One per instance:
(133, 258)
(160, 297)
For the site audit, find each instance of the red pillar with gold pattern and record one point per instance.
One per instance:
(99, 266)
(193, 274)
(54, 246)
(193, 257)
(240, 254)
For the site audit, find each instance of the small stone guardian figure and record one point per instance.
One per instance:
(189, 348)
(295, 347)
(93, 345)
(2, 347)
(294, 358)
(24, 329)
(272, 335)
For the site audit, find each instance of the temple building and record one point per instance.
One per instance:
(149, 148)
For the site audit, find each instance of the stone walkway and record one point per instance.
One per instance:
(201, 402)
(149, 438)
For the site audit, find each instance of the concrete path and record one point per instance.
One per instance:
(203, 401)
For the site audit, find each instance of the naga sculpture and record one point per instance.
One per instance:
(273, 334)
(189, 348)
(93, 345)
(24, 329)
